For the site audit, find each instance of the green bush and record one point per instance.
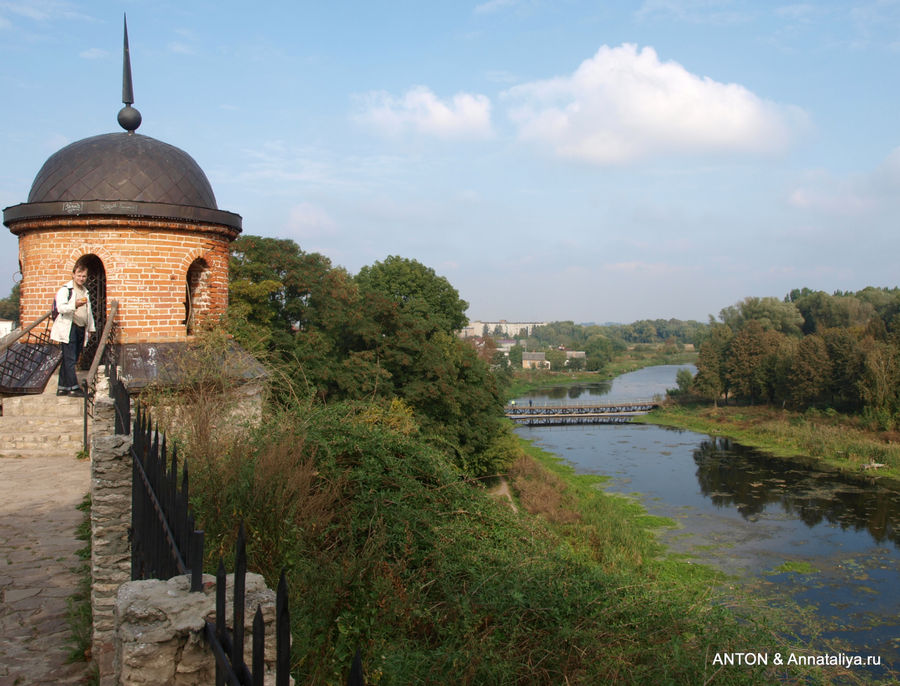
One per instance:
(389, 550)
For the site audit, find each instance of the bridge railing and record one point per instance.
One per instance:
(591, 408)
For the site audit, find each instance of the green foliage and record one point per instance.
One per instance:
(387, 333)
(417, 290)
(769, 313)
(578, 336)
(79, 615)
(515, 356)
(712, 364)
(685, 381)
(843, 352)
(386, 549)
(9, 306)
(811, 370)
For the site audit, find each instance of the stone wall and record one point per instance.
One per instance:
(160, 630)
(150, 632)
(110, 546)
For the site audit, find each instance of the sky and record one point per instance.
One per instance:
(592, 161)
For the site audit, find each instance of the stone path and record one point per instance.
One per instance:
(38, 518)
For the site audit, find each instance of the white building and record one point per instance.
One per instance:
(503, 327)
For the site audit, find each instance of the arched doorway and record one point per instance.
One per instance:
(96, 288)
(196, 301)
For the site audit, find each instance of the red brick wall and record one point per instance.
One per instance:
(146, 263)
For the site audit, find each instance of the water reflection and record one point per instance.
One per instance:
(584, 391)
(642, 384)
(732, 475)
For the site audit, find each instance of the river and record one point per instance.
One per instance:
(789, 532)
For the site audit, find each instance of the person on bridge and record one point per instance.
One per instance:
(73, 322)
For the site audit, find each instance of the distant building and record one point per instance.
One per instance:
(6, 326)
(535, 361)
(504, 345)
(500, 328)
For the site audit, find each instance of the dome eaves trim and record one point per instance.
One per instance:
(120, 208)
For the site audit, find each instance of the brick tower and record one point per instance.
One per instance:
(145, 216)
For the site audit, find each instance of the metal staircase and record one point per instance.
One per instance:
(28, 359)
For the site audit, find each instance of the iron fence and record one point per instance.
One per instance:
(164, 541)
(166, 544)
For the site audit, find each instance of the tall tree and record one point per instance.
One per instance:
(769, 313)
(711, 380)
(418, 290)
(810, 371)
(9, 306)
(752, 362)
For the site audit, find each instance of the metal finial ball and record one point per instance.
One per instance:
(129, 118)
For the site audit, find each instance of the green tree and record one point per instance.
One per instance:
(575, 364)
(846, 368)
(9, 306)
(272, 282)
(557, 360)
(418, 290)
(811, 370)
(880, 382)
(515, 356)
(711, 380)
(684, 380)
(769, 313)
(752, 362)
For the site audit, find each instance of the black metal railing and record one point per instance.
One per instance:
(28, 357)
(166, 544)
(228, 646)
(164, 541)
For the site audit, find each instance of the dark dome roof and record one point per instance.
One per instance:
(122, 167)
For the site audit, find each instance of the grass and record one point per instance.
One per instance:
(836, 441)
(78, 611)
(796, 566)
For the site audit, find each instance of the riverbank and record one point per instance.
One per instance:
(836, 441)
(617, 533)
(630, 361)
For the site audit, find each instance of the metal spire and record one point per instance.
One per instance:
(127, 90)
(129, 118)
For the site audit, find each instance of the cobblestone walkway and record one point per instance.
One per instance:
(38, 518)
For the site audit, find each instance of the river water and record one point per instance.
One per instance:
(789, 532)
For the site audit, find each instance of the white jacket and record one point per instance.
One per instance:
(59, 332)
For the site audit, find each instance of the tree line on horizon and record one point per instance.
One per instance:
(809, 350)
(600, 342)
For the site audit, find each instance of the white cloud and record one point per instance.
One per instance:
(645, 269)
(311, 221)
(624, 104)
(859, 194)
(719, 12)
(466, 115)
(180, 48)
(493, 6)
(93, 54)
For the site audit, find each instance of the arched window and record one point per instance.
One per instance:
(196, 303)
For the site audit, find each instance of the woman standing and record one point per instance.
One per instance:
(74, 321)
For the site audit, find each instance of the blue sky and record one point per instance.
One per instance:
(594, 161)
